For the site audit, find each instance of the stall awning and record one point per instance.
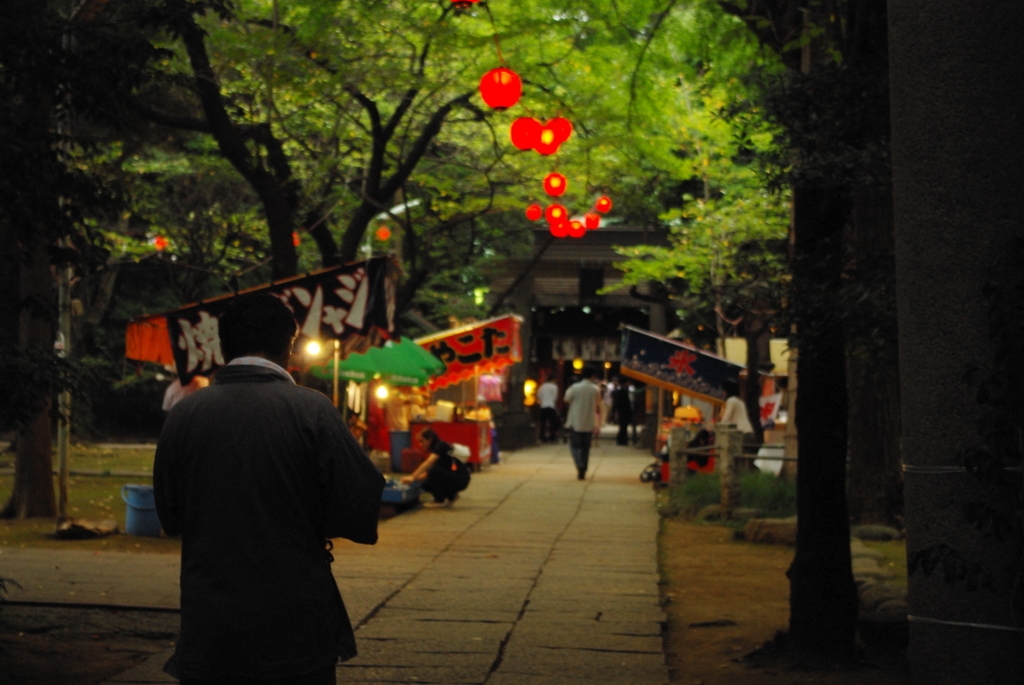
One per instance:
(353, 303)
(401, 363)
(484, 347)
(672, 365)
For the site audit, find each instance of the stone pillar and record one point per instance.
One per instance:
(677, 441)
(657, 320)
(790, 438)
(728, 452)
(958, 175)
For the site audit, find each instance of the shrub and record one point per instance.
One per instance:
(773, 497)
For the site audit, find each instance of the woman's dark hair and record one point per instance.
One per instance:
(731, 387)
(256, 324)
(428, 434)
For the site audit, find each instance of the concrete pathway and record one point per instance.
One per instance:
(532, 578)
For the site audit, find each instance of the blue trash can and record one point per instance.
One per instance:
(400, 440)
(140, 518)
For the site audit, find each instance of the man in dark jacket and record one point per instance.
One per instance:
(256, 474)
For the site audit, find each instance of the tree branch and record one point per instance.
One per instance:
(176, 121)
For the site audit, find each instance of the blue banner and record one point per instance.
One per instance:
(672, 365)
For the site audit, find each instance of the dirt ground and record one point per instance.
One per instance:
(727, 598)
(65, 646)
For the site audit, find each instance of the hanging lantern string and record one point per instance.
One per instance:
(494, 26)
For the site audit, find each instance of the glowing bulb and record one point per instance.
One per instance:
(577, 364)
(313, 348)
(382, 392)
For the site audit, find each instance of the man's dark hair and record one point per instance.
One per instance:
(257, 324)
(731, 387)
(589, 373)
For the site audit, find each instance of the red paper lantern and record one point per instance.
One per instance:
(552, 135)
(160, 243)
(559, 228)
(500, 88)
(525, 133)
(577, 229)
(295, 238)
(382, 233)
(603, 204)
(463, 4)
(555, 213)
(554, 184)
(592, 221)
(534, 212)
(529, 134)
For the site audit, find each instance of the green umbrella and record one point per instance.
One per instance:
(402, 363)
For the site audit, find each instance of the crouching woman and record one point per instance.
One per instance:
(444, 476)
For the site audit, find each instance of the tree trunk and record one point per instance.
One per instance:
(876, 486)
(756, 333)
(823, 597)
(876, 479)
(32, 492)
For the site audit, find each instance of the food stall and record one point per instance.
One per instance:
(671, 366)
(386, 387)
(475, 356)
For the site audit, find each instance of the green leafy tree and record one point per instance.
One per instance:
(726, 265)
(57, 68)
(832, 107)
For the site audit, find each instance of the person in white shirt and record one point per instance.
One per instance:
(735, 412)
(547, 397)
(582, 399)
(176, 391)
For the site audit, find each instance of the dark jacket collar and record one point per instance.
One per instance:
(245, 373)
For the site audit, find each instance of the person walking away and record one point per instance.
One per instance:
(638, 396)
(547, 397)
(442, 474)
(623, 411)
(582, 399)
(257, 474)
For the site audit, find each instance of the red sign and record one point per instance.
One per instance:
(483, 347)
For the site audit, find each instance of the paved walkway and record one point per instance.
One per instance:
(532, 578)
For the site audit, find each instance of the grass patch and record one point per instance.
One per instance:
(773, 497)
(89, 497)
(85, 457)
(105, 459)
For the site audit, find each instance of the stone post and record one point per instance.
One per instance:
(728, 451)
(677, 441)
(958, 170)
(790, 438)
